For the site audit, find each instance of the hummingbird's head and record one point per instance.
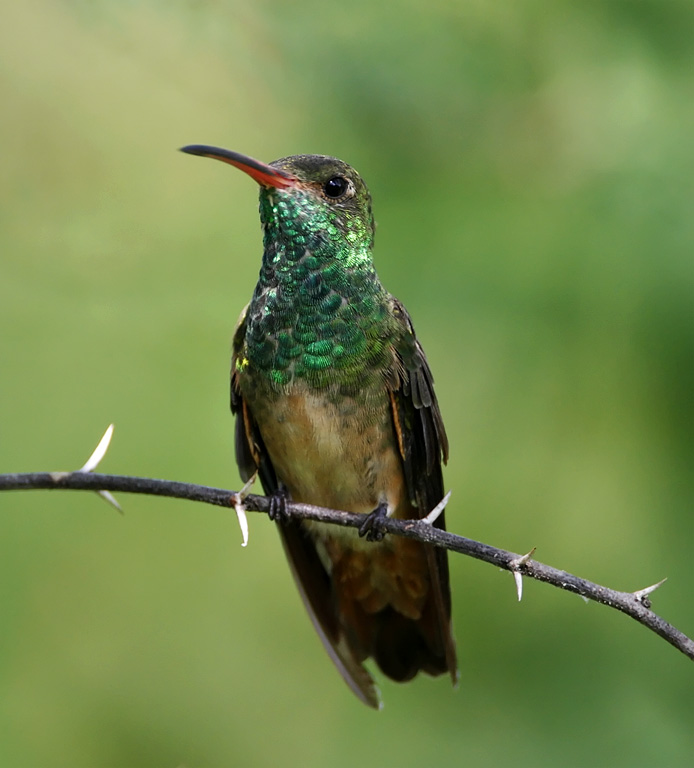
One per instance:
(307, 202)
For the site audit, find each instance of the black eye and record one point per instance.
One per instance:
(336, 186)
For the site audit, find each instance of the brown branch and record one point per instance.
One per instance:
(634, 604)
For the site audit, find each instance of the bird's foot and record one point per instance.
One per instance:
(278, 505)
(371, 527)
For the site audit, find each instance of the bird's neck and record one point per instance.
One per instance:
(319, 313)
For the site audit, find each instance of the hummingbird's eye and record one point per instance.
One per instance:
(335, 187)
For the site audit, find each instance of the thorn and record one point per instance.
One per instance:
(110, 498)
(515, 566)
(518, 578)
(240, 508)
(642, 595)
(99, 452)
(435, 513)
(523, 559)
(241, 495)
(95, 459)
(237, 501)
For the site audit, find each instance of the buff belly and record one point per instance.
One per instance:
(345, 457)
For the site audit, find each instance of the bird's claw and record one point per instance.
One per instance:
(371, 527)
(278, 506)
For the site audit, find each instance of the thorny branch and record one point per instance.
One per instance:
(635, 604)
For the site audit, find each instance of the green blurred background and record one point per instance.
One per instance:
(532, 166)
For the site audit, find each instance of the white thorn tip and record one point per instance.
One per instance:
(99, 452)
(247, 487)
(240, 508)
(522, 560)
(641, 594)
(519, 584)
(437, 510)
(514, 566)
(108, 496)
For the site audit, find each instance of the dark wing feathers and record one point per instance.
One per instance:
(421, 425)
(251, 456)
(423, 446)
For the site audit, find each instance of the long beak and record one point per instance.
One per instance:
(264, 174)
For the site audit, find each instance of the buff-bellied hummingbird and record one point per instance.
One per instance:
(335, 407)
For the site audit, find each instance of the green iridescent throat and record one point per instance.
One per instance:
(319, 311)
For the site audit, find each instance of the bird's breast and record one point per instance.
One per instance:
(336, 452)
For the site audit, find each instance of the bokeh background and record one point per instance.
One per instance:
(532, 166)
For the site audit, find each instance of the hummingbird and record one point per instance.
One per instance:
(335, 406)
